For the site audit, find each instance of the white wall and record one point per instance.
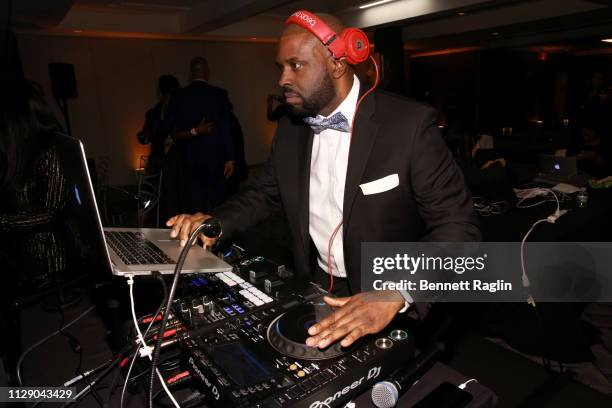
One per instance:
(117, 79)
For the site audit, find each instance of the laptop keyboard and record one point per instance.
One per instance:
(134, 249)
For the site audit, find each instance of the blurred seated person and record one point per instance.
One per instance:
(592, 150)
(484, 170)
(33, 239)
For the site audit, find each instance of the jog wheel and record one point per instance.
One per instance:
(289, 331)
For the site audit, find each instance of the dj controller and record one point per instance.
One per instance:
(244, 340)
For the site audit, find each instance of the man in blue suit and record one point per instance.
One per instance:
(199, 123)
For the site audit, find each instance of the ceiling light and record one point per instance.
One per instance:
(77, 31)
(495, 33)
(461, 13)
(608, 40)
(374, 3)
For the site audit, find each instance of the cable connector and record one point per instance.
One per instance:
(525, 281)
(531, 301)
(463, 385)
(554, 217)
(145, 351)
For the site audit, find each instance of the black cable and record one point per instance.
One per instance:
(162, 328)
(170, 364)
(167, 365)
(77, 348)
(102, 374)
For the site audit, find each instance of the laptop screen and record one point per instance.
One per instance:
(81, 215)
(557, 165)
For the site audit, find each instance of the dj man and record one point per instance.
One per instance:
(394, 180)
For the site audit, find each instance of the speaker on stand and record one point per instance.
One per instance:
(63, 85)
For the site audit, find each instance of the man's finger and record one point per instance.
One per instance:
(333, 336)
(185, 231)
(336, 302)
(347, 321)
(353, 336)
(329, 320)
(176, 226)
(171, 221)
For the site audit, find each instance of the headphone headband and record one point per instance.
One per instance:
(352, 43)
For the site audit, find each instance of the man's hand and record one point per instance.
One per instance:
(205, 128)
(229, 169)
(168, 143)
(501, 161)
(358, 315)
(184, 224)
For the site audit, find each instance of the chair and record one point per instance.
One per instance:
(148, 195)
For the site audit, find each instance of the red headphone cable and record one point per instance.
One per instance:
(335, 232)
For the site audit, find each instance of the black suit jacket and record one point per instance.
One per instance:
(188, 106)
(392, 135)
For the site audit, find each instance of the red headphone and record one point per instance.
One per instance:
(352, 43)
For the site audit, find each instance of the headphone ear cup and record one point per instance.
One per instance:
(357, 46)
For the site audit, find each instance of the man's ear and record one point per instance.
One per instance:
(338, 67)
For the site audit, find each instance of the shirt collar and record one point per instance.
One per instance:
(349, 104)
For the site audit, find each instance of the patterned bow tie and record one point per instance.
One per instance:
(337, 121)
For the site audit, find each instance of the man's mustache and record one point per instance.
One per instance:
(291, 90)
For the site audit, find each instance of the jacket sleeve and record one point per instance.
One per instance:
(442, 197)
(258, 200)
(224, 127)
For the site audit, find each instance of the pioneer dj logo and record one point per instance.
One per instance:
(211, 386)
(326, 403)
(305, 18)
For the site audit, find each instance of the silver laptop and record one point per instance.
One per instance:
(128, 251)
(556, 169)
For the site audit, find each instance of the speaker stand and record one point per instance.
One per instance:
(63, 105)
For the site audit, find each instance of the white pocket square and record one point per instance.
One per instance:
(381, 185)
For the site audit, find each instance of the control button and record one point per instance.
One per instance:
(252, 390)
(236, 394)
(304, 390)
(294, 392)
(301, 373)
(244, 392)
(383, 343)
(266, 386)
(398, 335)
(317, 379)
(293, 367)
(309, 384)
(259, 388)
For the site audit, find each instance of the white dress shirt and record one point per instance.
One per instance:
(328, 164)
(330, 151)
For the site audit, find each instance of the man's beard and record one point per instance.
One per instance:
(319, 99)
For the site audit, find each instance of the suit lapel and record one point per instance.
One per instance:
(365, 131)
(304, 154)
